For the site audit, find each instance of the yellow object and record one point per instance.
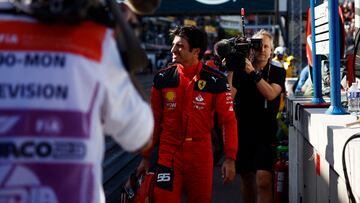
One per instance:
(189, 22)
(290, 67)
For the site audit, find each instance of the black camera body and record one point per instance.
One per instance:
(236, 49)
(244, 45)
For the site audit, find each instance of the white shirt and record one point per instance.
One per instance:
(61, 89)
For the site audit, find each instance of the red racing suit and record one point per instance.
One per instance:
(184, 101)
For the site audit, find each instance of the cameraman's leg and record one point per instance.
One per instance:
(265, 159)
(247, 187)
(245, 167)
(264, 185)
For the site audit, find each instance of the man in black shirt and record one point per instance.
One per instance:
(257, 89)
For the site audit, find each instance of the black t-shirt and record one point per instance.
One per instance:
(257, 117)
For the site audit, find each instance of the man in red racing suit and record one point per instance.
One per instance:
(184, 98)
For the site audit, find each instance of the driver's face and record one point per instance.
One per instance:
(181, 52)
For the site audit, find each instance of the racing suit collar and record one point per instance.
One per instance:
(192, 70)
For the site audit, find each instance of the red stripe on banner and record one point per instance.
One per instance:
(85, 40)
(317, 164)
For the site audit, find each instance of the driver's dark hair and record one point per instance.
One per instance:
(196, 38)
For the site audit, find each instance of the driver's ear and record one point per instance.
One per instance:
(196, 51)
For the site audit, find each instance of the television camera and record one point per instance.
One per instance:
(235, 50)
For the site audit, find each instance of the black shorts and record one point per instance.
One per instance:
(255, 156)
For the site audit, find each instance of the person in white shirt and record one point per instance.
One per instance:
(63, 86)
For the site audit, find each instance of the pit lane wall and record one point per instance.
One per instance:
(316, 141)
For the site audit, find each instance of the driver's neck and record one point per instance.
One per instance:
(190, 63)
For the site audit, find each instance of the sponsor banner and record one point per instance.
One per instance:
(44, 123)
(46, 183)
(33, 60)
(43, 150)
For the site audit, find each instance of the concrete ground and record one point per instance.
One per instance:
(229, 193)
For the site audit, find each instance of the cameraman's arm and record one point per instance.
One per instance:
(269, 91)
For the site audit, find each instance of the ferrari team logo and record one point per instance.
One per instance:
(201, 84)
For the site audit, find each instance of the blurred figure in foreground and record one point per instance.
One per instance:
(63, 87)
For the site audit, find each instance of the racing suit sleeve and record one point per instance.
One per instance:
(227, 122)
(156, 105)
(125, 115)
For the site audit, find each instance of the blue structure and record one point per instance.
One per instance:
(334, 60)
(316, 71)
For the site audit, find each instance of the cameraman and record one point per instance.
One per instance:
(257, 87)
(63, 86)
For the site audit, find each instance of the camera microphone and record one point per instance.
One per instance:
(243, 21)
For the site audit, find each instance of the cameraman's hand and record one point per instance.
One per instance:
(248, 66)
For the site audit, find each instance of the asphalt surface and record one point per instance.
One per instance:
(229, 193)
